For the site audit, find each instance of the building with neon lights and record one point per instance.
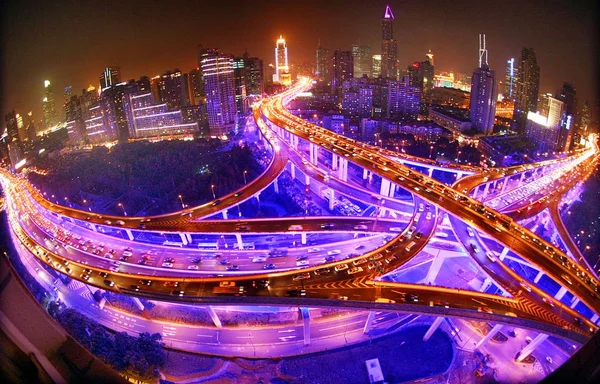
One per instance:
(362, 60)
(527, 89)
(389, 46)
(510, 79)
(282, 69)
(484, 93)
(219, 86)
(403, 99)
(323, 61)
(49, 105)
(111, 76)
(376, 69)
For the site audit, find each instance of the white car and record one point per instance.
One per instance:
(470, 232)
(301, 263)
(334, 252)
(193, 266)
(167, 265)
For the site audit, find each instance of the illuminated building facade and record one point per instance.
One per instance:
(173, 89)
(96, 130)
(49, 105)
(219, 86)
(403, 99)
(115, 120)
(342, 68)
(376, 71)
(510, 79)
(527, 89)
(483, 93)
(323, 67)
(362, 60)
(196, 87)
(357, 97)
(254, 75)
(239, 79)
(282, 69)
(111, 76)
(389, 46)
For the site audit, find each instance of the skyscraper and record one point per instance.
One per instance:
(49, 105)
(239, 79)
(389, 46)
(510, 79)
(420, 75)
(111, 76)
(115, 121)
(363, 61)
(376, 71)
(217, 74)
(342, 68)
(173, 89)
(527, 89)
(483, 93)
(323, 68)
(196, 86)
(282, 69)
(254, 75)
(568, 95)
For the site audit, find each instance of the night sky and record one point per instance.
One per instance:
(69, 42)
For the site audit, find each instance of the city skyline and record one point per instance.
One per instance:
(144, 51)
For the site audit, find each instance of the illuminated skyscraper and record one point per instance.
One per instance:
(527, 89)
(173, 89)
(510, 79)
(282, 69)
(342, 69)
(49, 105)
(389, 46)
(254, 75)
(361, 55)
(323, 68)
(111, 76)
(376, 71)
(483, 93)
(217, 74)
(239, 79)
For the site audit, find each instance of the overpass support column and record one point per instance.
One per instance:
(343, 169)
(276, 184)
(538, 277)
(314, 154)
(532, 346)
(485, 191)
(306, 180)
(594, 318)
(93, 226)
(475, 191)
(459, 175)
(129, 234)
(392, 189)
(214, 317)
(365, 174)
(189, 238)
(303, 238)
(561, 292)
(430, 172)
(334, 162)
(240, 243)
(183, 239)
(306, 320)
(485, 285)
(504, 185)
(436, 265)
(293, 171)
(138, 303)
(224, 212)
(433, 328)
(331, 198)
(369, 322)
(490, 334)
(503, 253)
(385, 187)
(522, 178)
(574, 303)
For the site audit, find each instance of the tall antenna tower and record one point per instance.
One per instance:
(483, 53)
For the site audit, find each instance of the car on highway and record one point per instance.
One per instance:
(196, 260)
(327, 226)
(314, 250)
(341, 267)
(259, 259)
(295, 227)
(470, 232)
(548, 301)
(233, 267)
(474, 248)
(227, 284)
(269, 266)
(167, 265)
(490, 255)
(301, 276)
(360, 227)
(223, 262)
(525, 286)
(567, 279)
(109, 283)
(359, 262)
(301, 263)
(322, 271)
(428, 216)
(396, 229)
(216, 202)
(239, 193)
(334, 252)
(355, 270)
(193, 266)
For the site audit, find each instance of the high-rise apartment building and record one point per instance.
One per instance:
(323, 67)
(389, 46)
(527, 89)
(342, 68)
(568, 95)
(239, 79)
(110, 77)
(483, 93)
(403, 99)
(173, 89)
(254, 75)
(196, 87)
(49, 105)
(115, 121)
(282, 69)
(363, 60)
(376, 70)
(219, 86)
(510, 79)
(421, 75)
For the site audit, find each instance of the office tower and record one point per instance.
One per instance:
(282, 69)
(173, 89)
(483, 93)
(324, 63)
(376, 71)
(342, 68)
(403, 99)
(196, 86)
(556, 112)
(420, 75)
(568, 95)
(217, 74)
(12, 128)
(143, 84)
(586, 119)
(430, 58)
(527, 89)
(31, 128)
(389, 46)
(510, 79)
(115, 121)
(111, 76)
(239, 80)
(49, 105)
(361, 56)
(254, 75)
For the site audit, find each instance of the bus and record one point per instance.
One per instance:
(207, 246)
(409, 246)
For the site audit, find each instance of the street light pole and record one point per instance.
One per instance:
(212, 188)
(123, 208)
(245, 172)
(181, 199)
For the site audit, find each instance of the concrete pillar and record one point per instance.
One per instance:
(276, 185)
(183, 239)
(490, 334)
(459, 175)
(392, 189)
(594, 318)
(215, 318)
(486, 284)
(538, 277)
(574, 303)
(334, 161)
(433, 328)
(129, 234)
(532, 346)
(503, 253)
(504, 185)
(240, 243)
(369, 322)
(306, 321)
(343, 169)
(93, 226)
(485, 191)
(314, 154)
(331, 199)
(293, 171)
(303, 238)
(306, 180)
(475, 190)
(189, 238)
(138, 303)
(365, 174)
(385, 187)
(430, 172)
(224, 213)
(561, 292)
(522, 178)
(257, 197)
(434, 270)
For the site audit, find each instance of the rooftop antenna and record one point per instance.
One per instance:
(483, 54)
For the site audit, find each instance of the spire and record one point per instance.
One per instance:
(388, 13)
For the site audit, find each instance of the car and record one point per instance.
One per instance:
(143, 262)
(239, 193)
(566, 278)
(418, 235)
(223, 262)
(474, 248)
(108, 255)
(359, 262)
(109, 283)
(421, 207)
(301, 257)
(341, 267)
(171, 284)
(135, 287)
(327, 226)
(259, 259)
(123, 258)
(359, 247)
(549, 359)
(396, 229)
(269, 266)
(85, 276)
(227, 284)
(322, 271)
(233, 267)
(355, 270)
(301, 276)
(145, 282)
(295, 227)
(490, 255)
(470, 232)
(120, 222)
(177, 293)
(525, 286)
(548, 301)
(334, 252)
(301, 263)
(167, 265)
(360, 227)
(169, 260)
(528, 339)
(216, 202)
(196, 260)
(127, 253)
(242, 228)
(193, 266)
(314, 250)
